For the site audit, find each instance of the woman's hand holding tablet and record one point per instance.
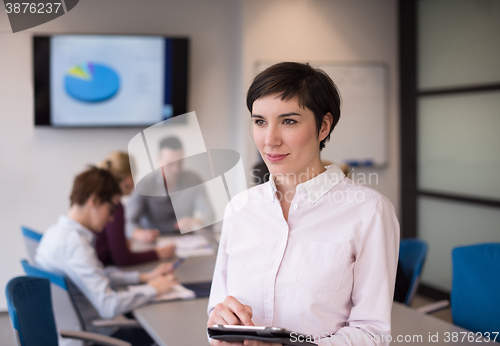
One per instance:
(232, 312)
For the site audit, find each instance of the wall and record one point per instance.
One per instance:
(37, 166)
(325, 30)
(457, 154)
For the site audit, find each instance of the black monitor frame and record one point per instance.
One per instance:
(41, 79)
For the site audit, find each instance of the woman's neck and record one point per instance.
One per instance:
(290, 181)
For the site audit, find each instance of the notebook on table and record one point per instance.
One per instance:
(176, 292)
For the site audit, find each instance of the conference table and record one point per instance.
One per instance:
(181, 323)
(191, 271)
(195, 269)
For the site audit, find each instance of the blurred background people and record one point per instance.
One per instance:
(67, 248)
(111, 245)
(150, 216)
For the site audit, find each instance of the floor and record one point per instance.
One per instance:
(7, 337)
(6, 334)
(419, 301)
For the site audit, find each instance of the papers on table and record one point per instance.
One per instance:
(191, 245)
(195, 252)
(176, 292)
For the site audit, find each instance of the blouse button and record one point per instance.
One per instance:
(295, 206)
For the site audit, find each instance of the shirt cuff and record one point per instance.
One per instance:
(132, 278)
(149, 291)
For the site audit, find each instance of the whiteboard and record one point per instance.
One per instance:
(361, 133)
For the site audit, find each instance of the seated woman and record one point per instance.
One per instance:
(310, 250)
(111, 244)
(67, 248)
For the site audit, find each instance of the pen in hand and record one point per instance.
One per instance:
(178, 263)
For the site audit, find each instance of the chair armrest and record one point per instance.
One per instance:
(93, 337)
(434, 307)
(117, 322)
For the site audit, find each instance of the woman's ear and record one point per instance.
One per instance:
(325, 126)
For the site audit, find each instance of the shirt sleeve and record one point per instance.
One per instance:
(135, 209)
(118, 277)
(218, 291)
(374, 275)
(86, 272)
(117, 243)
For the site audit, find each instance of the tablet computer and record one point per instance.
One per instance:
(268, 334)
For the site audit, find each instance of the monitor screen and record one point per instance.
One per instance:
(109, 80)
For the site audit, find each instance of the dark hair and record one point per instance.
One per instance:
(171, 143)
(94, 181)
(313, 88)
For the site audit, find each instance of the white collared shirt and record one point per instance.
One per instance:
(329, 270)
(67, 248)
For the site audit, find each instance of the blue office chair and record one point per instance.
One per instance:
(31, 239)
(412, 254)
(475, 298)
(475, 291)
(66, 311)
(67, 316)
(30, 309)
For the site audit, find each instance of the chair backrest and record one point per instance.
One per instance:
(412, 254)
(30, 310)
(475, 291)
(31, 239)
(66, 315)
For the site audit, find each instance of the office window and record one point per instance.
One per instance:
(450, 127)
(459, 144)
(445, 224)
(458, 43)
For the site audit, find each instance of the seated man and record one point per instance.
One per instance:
(67, 248)
(148, 216)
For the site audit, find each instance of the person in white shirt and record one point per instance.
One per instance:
(310, 250)
(67, 248)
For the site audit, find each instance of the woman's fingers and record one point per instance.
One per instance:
(248, 309)
(223, 343)
(226, 315)
(259, 343)
(242, 312)
(219, 315)
(231, 312)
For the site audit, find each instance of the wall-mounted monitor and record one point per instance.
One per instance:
(109, 80)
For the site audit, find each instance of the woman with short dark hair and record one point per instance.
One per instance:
(310, 250)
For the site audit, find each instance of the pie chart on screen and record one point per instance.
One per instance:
(91, 82)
